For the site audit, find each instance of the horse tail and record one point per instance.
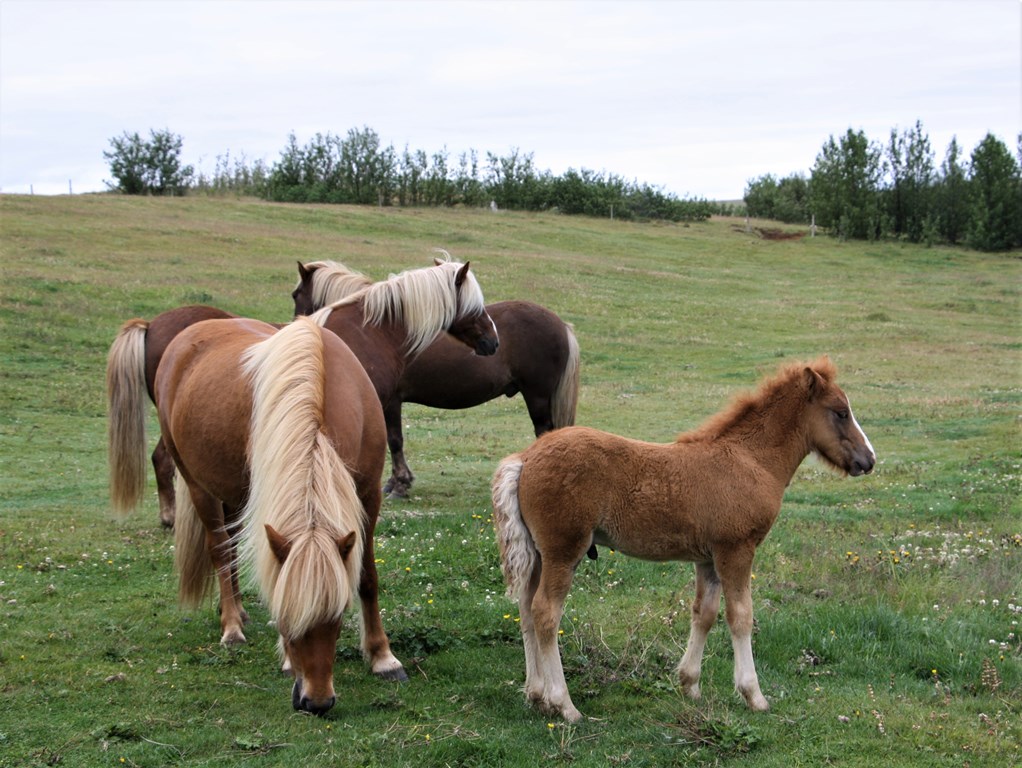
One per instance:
(126, 407)
(192, 561)
(518, 553)
(300, 486)
(565, 400)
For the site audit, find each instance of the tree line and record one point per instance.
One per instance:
(862, 189)
(857, 188)
(358, 169)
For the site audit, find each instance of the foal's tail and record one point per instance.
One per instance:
(126, 405)
(192, 561)
(518, 554)
(566, 395)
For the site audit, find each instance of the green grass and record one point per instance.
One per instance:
(887, 606)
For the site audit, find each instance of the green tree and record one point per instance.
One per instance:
(912, 174)
(995, 204)
(148, 167)
(844, 188)
(951, 196)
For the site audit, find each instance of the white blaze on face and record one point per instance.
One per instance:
(865, 439)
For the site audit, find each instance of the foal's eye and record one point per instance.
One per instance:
(842, 413)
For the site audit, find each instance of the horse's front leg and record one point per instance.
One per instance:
(704, 615)
(375, 644)
(736, 576)
(163, 468)
(401, 476)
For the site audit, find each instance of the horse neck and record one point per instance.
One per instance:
(774, 434)
(380, 348)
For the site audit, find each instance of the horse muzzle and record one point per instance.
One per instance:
(303, 703)
(862, 465)
(486, 347)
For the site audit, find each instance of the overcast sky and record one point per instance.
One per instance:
(692, 96)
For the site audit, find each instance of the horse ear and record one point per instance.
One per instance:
(280, 546)
(303, 273)
(345, 545)
(462, 274)
(437, 261)
(814, 382)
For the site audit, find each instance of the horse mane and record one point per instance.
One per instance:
(426, 301)
(333, 281)
(745, 406)
(299, 485)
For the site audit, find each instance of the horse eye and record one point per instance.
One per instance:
(842, 414)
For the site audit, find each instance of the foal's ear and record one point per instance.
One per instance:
(345, 544)
(815, 383)
(462, 274)
(280, 546)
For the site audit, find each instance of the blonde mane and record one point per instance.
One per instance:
(332, 281)
(299, 485)
(746, 404)
(426, 301)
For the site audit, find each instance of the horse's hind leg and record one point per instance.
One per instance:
(704, 615)
(163, 468)
(735, 571)
(221, 552)
(401, 476)
(533, 676)
(547, 608)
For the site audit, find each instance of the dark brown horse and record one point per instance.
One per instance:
(710, 498)
(279, 435)
(422, 308)
(538, 356)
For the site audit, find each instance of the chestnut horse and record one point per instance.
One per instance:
(409, 305)
(538, 356)
(285, 428)
(710, 498)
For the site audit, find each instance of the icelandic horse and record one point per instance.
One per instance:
(279, 435)
(710, 497)
(387, 323)
(538, 357)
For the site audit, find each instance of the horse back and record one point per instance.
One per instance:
(654, 501)
(165, 326)
(204, 403)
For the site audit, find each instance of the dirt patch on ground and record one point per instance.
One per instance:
(771, 233)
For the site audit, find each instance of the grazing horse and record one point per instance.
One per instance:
(418, 304)
(538, 356)
(279, 434)
(710, 498)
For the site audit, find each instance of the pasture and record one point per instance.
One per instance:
(887, 606)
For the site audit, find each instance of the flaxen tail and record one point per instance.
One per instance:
(126, 407)
(192, 561)
(517, 549)
(565, 401)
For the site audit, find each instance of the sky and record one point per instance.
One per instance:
(693, 97)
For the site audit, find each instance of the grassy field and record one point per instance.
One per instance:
(887, 606)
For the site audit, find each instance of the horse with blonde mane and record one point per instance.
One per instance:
(280, 435)
(385, 328)
(710, 497)
(383, 325)
(538, 357)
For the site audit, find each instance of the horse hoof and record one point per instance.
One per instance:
(398, 494)
(396, 675)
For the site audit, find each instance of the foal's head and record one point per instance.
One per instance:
(324, 282)
(834, 434)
